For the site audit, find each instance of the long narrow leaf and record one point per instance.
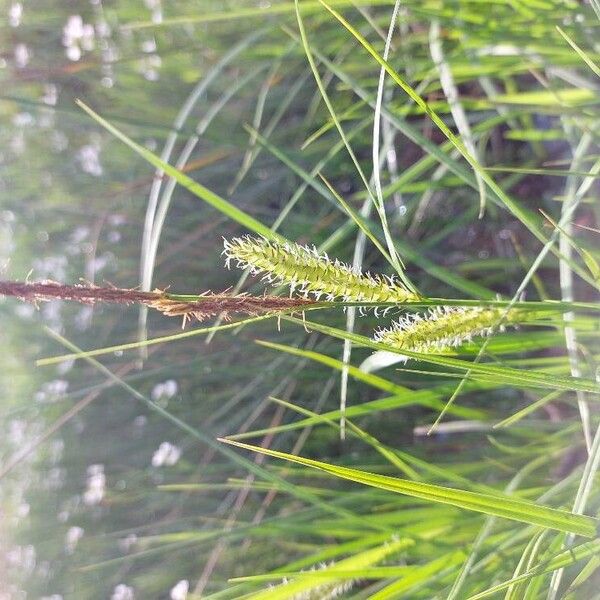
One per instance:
(228, 209)
(500, 506)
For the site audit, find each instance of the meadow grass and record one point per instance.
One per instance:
(426, 174)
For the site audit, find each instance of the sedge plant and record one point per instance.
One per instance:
(417, 117)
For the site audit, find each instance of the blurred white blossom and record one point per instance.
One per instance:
(78, 37)
(74, 534)
(15, 13)
(165, 390)
(83, 318)
(23, 510)
(122, 592)
(99, 263)
(22, 558)
(51, 391)
(50, 94)
(149, 45)
(103, 29)
(16, 431)
(57, 447)
(113, 236)
(140, 421)
(50, 267)
(156, 10)
(23, 119)
(79, 233)
(126, 543)
(166, 455)
(22, 55)
(65, 366)
(96, 485)
(51, 314)
(68, 506)
(149, 66)
(180, 590)
(88, 157)
(116, 220)
(58, 141)
(54, 478)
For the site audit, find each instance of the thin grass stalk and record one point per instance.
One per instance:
(198, 307)
(395, 259)
(456, 108)
(359, 248)
(149, 232)
(566, 286)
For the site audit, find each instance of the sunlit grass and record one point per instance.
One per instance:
(480, 193)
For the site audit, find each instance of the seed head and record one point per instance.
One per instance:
(444, 327)
(304, 269)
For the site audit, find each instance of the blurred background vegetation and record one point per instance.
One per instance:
(83, 513)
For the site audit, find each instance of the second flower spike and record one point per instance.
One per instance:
(444, 327)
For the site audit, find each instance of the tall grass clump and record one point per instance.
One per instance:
(319, 428)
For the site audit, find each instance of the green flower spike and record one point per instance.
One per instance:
(444, 328)
(305, 270)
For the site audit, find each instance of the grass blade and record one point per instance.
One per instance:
(222, 205)
(500, 506)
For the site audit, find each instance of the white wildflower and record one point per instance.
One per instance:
(122, 592)
(180, 590)
(15, 12)
(96, 485)
(164, 390)
(74, 534)
(166, 455)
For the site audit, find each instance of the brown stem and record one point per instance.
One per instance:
(206, 305)
(88, 294)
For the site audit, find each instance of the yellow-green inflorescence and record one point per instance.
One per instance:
(306, 270)
(444, 327)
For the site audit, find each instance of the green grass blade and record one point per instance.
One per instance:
(420, 575)
(506, 375)
(368, 378)
(312, 582)
(510, 204)
(564, 559)
(514, 418)
(430, 398)
(54, 360)
(500, 506)
(257, 12)
(194, 187)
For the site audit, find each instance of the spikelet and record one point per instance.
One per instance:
(329, 590)
(210, 305)
(330, 584)
(445, 327)
(305, 270)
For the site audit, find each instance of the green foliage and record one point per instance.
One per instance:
(114, 127)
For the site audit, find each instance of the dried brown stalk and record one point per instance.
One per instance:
(209, 305)
(203, 306)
